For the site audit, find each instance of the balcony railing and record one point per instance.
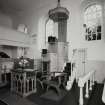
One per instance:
(89, 77)
(13, 37)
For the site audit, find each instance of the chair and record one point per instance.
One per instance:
(52, 80)
(41, 77)
(55, 81)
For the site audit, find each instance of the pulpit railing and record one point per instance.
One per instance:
(23, 82)
(87, 79)
(23, 76)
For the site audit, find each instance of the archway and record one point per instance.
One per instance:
(42, 31)
(4, 55)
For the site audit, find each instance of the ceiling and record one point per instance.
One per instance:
(18, 5)
(22, 5)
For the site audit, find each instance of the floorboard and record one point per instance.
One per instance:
(42, 98)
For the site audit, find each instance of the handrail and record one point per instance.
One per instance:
(84, 79)
(71, 79)
(6, 59)
(57, 73)
(15, 38)
(3, 102)
(103, 94)
(81, 82)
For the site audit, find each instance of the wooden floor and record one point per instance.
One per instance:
(96, 97)
(69, 98)
(13, 99)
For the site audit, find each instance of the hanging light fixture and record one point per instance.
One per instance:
(59, 13)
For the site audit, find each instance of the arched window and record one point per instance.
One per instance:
(49, 29)
(93, 22)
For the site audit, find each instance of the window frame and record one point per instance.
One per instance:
(91, 37)
(47, 33)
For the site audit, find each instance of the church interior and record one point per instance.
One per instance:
(52, 52)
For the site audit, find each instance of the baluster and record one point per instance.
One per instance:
(81, 82)
(81, 96)
(71, 69)
(35, 83)
(17, 84)
(21, 86)
(27, 86)
(5, 77)
(20, 83)
(76, 73)
(32, 85)
(93, 79)
(12, 80)
(90, 88)
(87, 91)
(0, 72)
(24, 83)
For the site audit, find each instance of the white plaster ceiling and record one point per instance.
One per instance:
(18, 5)
(22, 5)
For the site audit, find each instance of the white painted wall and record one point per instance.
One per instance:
(96, 49)
(9, 50)
(35, 20)
(5, 20)
(75, 36)
(11, 37)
